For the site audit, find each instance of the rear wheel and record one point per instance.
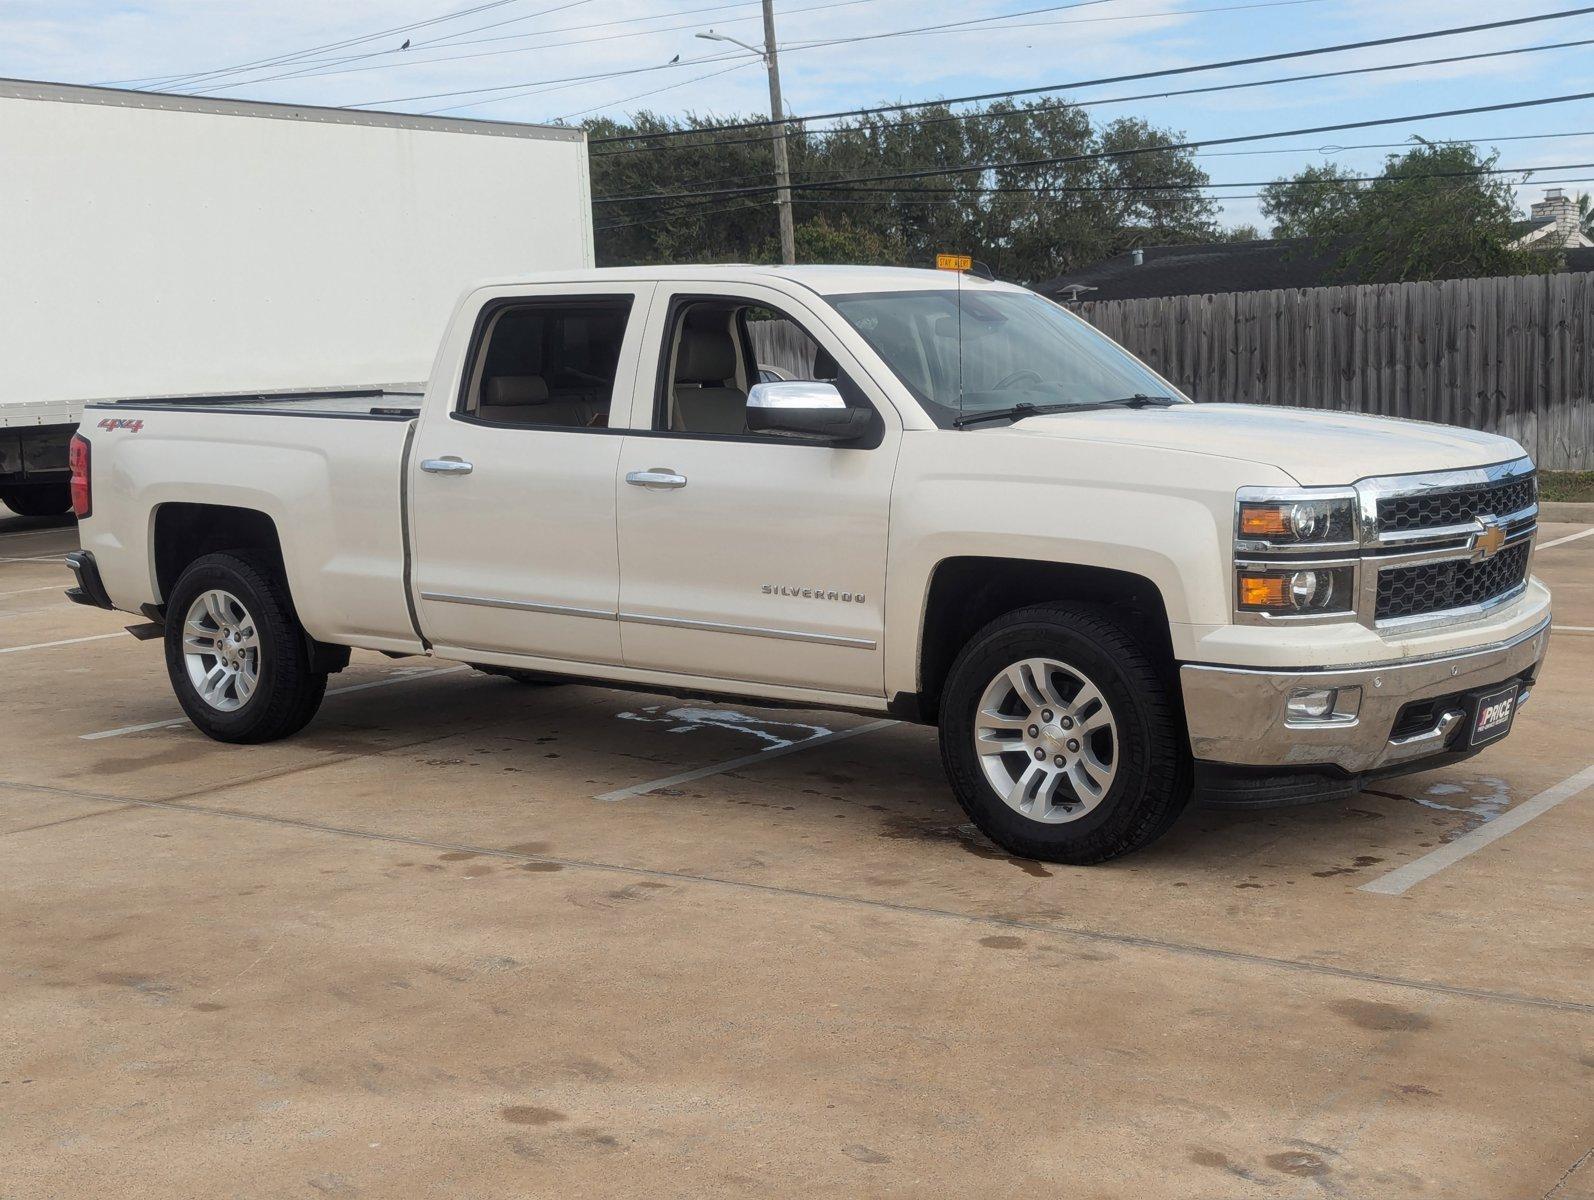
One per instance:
(236, 653)
(1060, 738)
(38, 499)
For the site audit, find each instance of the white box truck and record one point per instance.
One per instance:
(156, 244)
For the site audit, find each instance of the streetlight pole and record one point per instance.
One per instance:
(777, 113)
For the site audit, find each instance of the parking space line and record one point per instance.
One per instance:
(36, 558)
(98, 637)
(746, 760)
(55, 532)
(1572, 628)
(173, 722)
(1571, 537)
(49, 587)
(1402, 879)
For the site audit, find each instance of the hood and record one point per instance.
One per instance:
(1313, 447)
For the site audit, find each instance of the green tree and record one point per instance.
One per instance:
(1026, 223)
(1432, 213)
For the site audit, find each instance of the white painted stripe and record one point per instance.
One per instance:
(37, 558)
(1572, 628)
(56, 532)
(49, 587)
(98, 637)
(1402, 879)
(1571, 537)
(342, 691)
(746, 760)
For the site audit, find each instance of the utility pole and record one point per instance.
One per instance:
(777, 116)
(788, 233)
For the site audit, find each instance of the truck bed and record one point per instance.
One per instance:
(400, 403)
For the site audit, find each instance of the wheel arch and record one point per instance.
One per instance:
(183, 532)
(967, 592)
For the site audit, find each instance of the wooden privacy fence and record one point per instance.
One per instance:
(1511, 355)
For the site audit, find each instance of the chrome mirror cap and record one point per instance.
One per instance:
(796, 394)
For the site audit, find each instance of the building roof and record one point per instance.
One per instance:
(1202, 268)
(72, 93)
(1199, 268)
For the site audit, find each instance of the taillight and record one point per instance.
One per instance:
(77, 456)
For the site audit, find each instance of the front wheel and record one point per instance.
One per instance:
(236, 653)
(1060, 738)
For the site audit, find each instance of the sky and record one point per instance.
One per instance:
(565, 59)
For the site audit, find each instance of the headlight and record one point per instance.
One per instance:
(1309, 521)
(1307, 591)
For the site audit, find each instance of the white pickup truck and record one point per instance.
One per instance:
(950, 500)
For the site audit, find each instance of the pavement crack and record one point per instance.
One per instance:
(1099, 936)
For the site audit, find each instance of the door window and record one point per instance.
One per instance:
(719, 348)
(547, 363)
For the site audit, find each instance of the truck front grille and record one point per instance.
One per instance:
(1441, 586)
(1456, 506)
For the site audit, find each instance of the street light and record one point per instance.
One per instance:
(788, 234)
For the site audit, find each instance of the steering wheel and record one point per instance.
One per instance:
(1017, 377)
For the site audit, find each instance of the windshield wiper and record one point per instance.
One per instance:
(1015, 413)
(1138, 400)
(1019, 411)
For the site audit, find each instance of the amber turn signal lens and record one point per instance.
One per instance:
(1264, 591)
(1261, 521)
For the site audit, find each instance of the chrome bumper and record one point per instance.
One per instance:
(1236, 715)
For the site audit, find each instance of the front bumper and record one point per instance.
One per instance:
(1236, 715)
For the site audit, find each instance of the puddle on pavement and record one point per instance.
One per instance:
(1479, 801)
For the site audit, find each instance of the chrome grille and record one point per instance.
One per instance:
(1441, 586)
(1455, 506)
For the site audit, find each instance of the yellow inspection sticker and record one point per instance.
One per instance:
(953, 262)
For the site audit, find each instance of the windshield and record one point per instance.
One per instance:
(963, 352)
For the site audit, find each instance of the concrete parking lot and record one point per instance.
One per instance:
(464, 938)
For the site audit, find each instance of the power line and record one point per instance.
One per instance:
(640, 95)
(1130, 78)
(310, 70)
(1325, 149)
(906, 198)
(195, 76)
(1091, 156)
(505, 87)
(987, 114)
(1171, 187)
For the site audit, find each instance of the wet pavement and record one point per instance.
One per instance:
(465, 938)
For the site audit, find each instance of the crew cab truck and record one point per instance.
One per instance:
(955, 502)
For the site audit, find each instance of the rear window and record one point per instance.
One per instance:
(549, 363)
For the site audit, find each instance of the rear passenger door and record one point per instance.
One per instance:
(512, 493)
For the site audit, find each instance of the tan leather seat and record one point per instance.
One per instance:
(524, 400)
(705, 362)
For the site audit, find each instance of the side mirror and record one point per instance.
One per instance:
(807, 409)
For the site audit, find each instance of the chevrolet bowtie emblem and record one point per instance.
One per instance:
(1489, 540)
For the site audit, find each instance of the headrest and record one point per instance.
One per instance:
(705, 356)
(515, 389)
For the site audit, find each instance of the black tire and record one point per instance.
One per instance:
(528, 678)
(1153, 780)
(287, 692)
(38, 499)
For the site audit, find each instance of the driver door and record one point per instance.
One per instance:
(743, 556)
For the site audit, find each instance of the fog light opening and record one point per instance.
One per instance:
(1306, 706)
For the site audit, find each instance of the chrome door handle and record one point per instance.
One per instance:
(657, 477)
(447, 466)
